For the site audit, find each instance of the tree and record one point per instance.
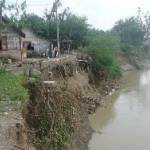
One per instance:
(70, 26)
(37, 24)
(74, 28)
(2, 5)
(130, 31)
(19, 11)
(144, 21)
(92, 34)
(54, 14)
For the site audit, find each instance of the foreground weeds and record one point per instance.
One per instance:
(11, 87)
(52, 115)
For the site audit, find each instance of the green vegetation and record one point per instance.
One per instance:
(131, 35)
(130, 31)
(133, 31)
(11, 87)
(103, 50)
(134, 35)
(72, 27)
(54, 116)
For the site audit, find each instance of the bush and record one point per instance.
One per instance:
(103, 50)
(11, 87)
(135, 52)
(146, 50)
(130, 31)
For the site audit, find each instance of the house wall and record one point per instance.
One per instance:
(40, 45)
(12, 41)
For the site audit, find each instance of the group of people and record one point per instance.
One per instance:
(53, 52)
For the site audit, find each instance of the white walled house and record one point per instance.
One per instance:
(10, 41)
(11, 36)
(13, 40)
(33, 42)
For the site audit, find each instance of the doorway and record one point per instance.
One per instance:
(3, 43)
(28, 45)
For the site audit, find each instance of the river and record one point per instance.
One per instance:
(123, 123)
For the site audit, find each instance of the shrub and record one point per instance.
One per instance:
(103, 50)
(146, 50)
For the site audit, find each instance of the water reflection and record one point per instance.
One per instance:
(124, 123)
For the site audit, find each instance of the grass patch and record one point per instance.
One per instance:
(11, 87)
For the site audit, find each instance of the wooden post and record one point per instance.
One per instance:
(58, 29)
(20, 48)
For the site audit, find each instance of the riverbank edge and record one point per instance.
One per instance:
(72, 76)
(126, 68)
(106, 88)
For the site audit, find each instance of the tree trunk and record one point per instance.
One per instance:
(58, 31)
(20, 48)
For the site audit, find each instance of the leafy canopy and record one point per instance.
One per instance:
(130, 31)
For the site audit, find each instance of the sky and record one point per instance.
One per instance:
(101, 14)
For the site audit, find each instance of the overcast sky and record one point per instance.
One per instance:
(102, 14)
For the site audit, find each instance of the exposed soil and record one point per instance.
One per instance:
(70, 76)
(12, 132)
(74, 78)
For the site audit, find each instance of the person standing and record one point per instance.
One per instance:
(55, 52)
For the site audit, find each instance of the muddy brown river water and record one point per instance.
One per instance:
(124, 121)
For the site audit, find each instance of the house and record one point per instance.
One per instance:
(14, 39)
(10, 36)
(34, 43)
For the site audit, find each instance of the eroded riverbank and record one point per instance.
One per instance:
(69, 79)
(123, 124)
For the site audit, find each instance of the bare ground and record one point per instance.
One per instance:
(12, 132)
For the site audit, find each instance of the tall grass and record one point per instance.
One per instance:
(11, 87)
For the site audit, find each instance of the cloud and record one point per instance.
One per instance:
(101, 14)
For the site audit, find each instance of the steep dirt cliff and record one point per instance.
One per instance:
(57, 113)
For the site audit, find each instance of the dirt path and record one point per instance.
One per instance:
(12, 132)
(9, 122)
